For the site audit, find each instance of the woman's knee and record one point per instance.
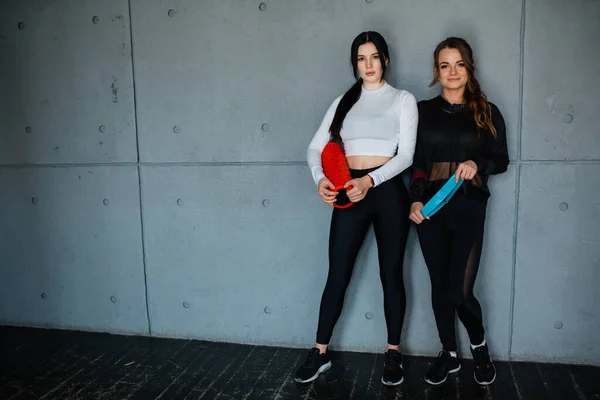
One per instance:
(460, 299)
(336, 284)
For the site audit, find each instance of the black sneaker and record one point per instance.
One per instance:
(484, 370)
(443, 366)
(315, 364)
(393, 374)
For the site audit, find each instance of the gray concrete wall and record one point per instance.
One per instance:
(153, 178)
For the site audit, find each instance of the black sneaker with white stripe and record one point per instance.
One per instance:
(393, 374)
(443, 366)
(314, 365)
(484, 370)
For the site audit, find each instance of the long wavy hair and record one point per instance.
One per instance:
(474, 96)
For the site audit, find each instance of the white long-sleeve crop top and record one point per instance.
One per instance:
(383, 122)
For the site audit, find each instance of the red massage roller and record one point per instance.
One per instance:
(335, 168)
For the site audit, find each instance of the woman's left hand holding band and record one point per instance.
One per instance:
(466, 171)
(360, 187)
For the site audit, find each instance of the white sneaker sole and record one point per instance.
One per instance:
(323, 368)
(484, 383)
(387, 383)
(455, 370)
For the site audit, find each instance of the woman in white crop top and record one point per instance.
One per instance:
(377, 125)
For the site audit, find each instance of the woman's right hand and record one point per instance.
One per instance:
(415, 212)
(325, 190)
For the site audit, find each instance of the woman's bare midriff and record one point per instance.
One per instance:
(366, 162)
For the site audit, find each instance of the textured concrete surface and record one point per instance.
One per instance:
(190, 119)
(557, 264)
(71, 248)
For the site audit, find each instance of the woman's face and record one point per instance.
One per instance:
(453, 74)
(369, 63)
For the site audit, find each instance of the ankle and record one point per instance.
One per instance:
(452, 353)
(322, 348)
(474, 346)
(393, 347)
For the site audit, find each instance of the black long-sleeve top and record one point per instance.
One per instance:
(447, 136)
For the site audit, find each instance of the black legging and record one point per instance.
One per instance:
(387, 207)
(451, 243)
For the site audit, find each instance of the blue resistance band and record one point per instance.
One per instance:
(441, 197)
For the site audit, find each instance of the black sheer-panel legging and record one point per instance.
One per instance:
(451, 242)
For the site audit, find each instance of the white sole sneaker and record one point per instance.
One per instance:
(455, 370)
(323, 368)
(484, 383)
(388, 383)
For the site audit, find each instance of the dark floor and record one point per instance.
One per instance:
(51, 364)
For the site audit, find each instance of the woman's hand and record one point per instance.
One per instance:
(360, 187)
(415, 212)
(466, 171)
(326, 191)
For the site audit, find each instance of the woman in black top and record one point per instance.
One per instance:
(459, 133)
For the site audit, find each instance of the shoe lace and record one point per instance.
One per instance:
(441, 359)
(390, 360)
(311, 359)
(481, 358)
